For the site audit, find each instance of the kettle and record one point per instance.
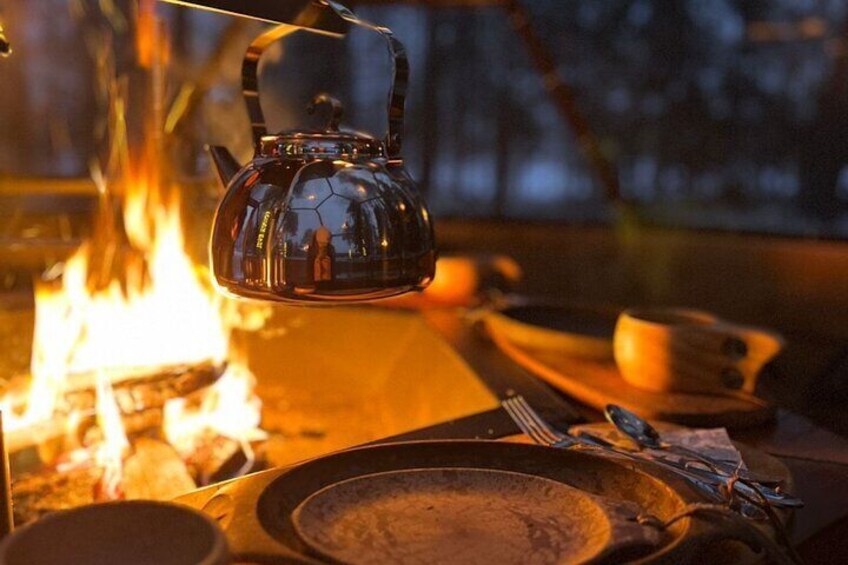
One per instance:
(326, 215)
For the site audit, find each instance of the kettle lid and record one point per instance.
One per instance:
(329, 143)
(311, 145)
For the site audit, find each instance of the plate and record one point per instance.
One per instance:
(469, 516)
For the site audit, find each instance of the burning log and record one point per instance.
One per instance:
(156, 472)
(197, 422)
(140, 401)
(139, 395)
(153, 471)
(218, 458)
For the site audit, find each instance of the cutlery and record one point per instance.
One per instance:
(646, 436)
(532, 424)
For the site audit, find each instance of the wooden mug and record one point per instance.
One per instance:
(680, 350)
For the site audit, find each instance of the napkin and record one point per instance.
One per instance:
(713, 442)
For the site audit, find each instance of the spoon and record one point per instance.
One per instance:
(646, 436)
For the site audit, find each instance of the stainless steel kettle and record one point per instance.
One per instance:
(321, 216)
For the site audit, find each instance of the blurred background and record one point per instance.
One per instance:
(729, 115)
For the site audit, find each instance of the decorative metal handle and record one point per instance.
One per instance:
(397, 90)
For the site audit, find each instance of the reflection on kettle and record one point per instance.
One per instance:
(328, 215)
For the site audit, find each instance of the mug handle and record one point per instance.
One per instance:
(740, 351)
(397, 89)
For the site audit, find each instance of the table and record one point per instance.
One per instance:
(817, 457)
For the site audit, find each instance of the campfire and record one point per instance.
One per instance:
(134, 389)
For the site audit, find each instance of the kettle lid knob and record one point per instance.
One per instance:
(336, 109)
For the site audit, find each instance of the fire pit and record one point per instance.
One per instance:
(134, 389)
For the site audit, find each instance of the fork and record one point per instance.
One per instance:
(531, 423)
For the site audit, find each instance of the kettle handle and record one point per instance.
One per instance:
(397, 91)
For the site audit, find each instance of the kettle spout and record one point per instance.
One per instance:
(225, 163)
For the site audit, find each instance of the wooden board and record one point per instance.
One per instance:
(598, 383)
(577, 332)
(388, 373)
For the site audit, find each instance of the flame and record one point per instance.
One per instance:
(229, 409)
(111, 451)
(174, 319)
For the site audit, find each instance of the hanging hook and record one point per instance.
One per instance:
(336, 109)
(5, 46)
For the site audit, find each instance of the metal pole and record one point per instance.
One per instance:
(7, 522)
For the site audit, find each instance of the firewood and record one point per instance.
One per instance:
(139, 398)
(217, 458)
(145, 391)
(155, 471)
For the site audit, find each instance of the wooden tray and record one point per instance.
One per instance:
(256, 511)
(571, 330)
(597, 382)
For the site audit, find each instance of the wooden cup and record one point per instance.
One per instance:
(679, 350)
